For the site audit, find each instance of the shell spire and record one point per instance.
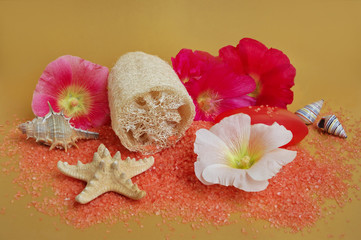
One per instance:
(55, 130)
(332, 125)
(309, 113)
(51, 110)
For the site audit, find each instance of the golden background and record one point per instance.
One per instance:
(321, 38)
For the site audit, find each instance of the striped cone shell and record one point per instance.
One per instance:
(309, 113)
(332, 125)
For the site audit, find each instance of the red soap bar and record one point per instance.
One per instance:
(269, 115)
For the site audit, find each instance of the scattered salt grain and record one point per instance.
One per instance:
(294, 199)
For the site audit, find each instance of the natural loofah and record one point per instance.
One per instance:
(150, 108)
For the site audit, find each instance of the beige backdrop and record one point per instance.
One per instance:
(321, 38)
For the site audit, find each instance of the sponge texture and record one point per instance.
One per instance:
(150, 108)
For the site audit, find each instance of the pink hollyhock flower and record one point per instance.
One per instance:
(191, 65)
(218, 90)
(77, 87)
(270, 69)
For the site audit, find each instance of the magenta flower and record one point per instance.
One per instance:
(269, 68)
(213, 85)
(191, 65)
(77, 87)
(219, 90)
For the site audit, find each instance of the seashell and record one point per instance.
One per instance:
(309, 113)
(55, 130)
(332, 125)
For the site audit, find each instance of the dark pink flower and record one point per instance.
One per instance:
(219, 90)
(270, 69)
(77, 87)
(191, 65)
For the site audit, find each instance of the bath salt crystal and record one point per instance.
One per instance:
(323, 169)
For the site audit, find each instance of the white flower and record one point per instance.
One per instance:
(235, 153)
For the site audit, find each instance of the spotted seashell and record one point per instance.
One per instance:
(309, 113)
(55, 130)
(332, 125)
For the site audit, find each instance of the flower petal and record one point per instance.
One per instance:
(280, 97)
(40, 104)
(90, 75)
(227, 176)
(223, 174)
(209, 147)
(236, 102)
(201, 115)
(225, 105)
(270, 69)
(210, 150)
(271, 163)
(269, 115)
(198, 170)
(181, 63)
(276, 86)
(226, 83)
(234, 131)
(272, 60)
(191, 65)
(266, 138)
(230, 56)
(56, 75)
(251, 53)
(223, 90)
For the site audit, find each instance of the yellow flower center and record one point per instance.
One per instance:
(208, 102)
(74, 101)
(243, 157)
(242, 162)
(258, 88)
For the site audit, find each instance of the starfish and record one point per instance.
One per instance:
(106, 174)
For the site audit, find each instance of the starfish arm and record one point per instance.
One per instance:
(133, 167)
(123, 185)
(93, 189)
(80, 171)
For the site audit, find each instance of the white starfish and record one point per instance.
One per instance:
(106, 174)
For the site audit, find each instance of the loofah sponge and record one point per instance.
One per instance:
(150, 108)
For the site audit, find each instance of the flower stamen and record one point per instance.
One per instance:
(208, 102)
(241, 161)
(75, 101)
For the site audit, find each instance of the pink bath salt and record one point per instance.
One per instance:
(294, 199)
